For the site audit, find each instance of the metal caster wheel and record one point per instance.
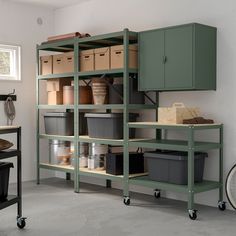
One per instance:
(192, 214)
(127, 201)
(21, 222)
(157, 193)
(221, 205)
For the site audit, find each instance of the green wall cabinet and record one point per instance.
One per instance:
(178, 58)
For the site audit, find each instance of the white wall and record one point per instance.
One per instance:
(18, 26)
(104, 16)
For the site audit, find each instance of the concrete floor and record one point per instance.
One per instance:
(53, 209)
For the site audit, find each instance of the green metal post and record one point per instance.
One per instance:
(221, 165)
(126, 113)
(37, 116)
(191, 168)
(158, 131)
(76, 117)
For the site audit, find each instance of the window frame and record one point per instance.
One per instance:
(15, 62)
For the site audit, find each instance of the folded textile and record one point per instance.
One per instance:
(198, 120)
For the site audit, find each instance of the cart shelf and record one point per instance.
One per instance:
(11, 200)
(156, 125)
(175, 145)
(198, 187)
(9, 153)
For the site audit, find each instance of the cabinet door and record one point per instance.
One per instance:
(179, 58)
(151, 67)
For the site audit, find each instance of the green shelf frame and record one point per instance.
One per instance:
(55, 76)
(189, 145)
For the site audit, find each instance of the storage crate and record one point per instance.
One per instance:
(102, 58)
(46, 65)
(172, 167)
(117, 56)
(176, 114)
(62, 123)
(4, 179)
(108, 125)
(115, 161)
(86, 60)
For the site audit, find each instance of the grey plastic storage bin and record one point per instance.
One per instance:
(62, 123)
(108, 125)
(172, 167)
(116, 93)
(59, 123)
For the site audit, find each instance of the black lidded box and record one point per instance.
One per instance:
(115, 161)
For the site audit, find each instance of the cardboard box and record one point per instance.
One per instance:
(55, 97)
(176, 114)
(46, 65)
(117, 56)
(57, 84)
(86, 60)
(63, 63)
(69, 62)
(102, 58)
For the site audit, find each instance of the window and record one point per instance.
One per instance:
(10, 68)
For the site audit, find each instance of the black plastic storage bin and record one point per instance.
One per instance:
(172, 167)
(108, 125)
(62, 123)
(114, 163)
(4, 179)
(116, 93)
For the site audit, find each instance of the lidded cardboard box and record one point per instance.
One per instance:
(46, 65)
(102, 58)
(86, 60)
(63, 63)
(117, 56)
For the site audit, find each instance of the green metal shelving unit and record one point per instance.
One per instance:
(124, 37)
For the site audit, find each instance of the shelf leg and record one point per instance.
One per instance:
(76, 118)
(19, 175)
(108, 183)
(221, 165)
(126, 114)
(191, 168)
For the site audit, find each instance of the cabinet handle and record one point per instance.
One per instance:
(164, 59)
